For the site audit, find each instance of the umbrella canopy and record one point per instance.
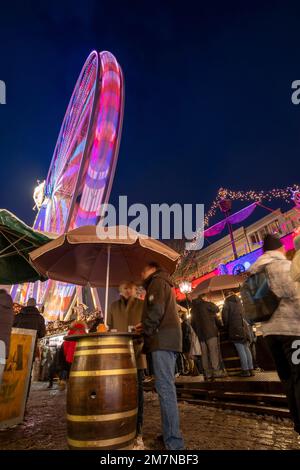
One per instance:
(218, 283)
(16, 241)
(81, 256)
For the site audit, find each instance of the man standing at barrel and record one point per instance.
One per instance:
(122, 316)
(163, 339)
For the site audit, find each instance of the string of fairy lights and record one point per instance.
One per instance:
(285, 194)
(276, 193)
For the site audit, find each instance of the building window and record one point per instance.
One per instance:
(263, 232)
(274, 227)
(254, 238)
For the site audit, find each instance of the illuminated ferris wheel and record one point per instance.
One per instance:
(83, 165)
(85, 156)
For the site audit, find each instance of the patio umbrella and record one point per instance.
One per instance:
(82, 257)
(217, 283)
(16, 241)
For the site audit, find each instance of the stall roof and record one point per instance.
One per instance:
(17, 239)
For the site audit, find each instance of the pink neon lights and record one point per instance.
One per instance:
(83, 164)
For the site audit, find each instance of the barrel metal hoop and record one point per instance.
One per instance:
(98, 373)
(91, 352)
(104, 341)
(102, 442)
(101, 418)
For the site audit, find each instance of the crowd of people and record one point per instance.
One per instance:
(167, 339)
(208, 321)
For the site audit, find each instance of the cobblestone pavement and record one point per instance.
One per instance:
(203, 428)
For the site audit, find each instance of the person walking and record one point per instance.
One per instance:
(46, 360)
(56, 366)
(6, 323)
(163, 339)
(124, 314)
(236, 329)
(31, 319)
(282, 330)
(204, 323)
(68, 349)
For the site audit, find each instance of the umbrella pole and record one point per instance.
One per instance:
(107, 284)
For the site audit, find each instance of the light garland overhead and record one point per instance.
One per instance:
(251, 195)
(286, 194)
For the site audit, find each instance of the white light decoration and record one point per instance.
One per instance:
(39, 194)
(185, 287)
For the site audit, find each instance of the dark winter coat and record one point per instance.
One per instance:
(31, 319)
(204, 320)
(6, 319)
(186, 336)
(161, 324)
(233, 319)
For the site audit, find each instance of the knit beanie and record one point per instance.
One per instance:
(271, 242)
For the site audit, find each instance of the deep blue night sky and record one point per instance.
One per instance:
(208, 93)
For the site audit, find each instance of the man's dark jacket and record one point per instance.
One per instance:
(204, 319)
(162, 329)
(233, 319)
(31, 319)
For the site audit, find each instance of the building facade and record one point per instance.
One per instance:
(248, 240)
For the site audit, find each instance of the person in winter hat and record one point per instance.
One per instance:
(282, 331)
(271, 243)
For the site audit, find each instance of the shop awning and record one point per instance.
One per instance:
(17, 239)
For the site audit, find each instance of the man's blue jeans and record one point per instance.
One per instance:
(164, 372)
(245, 356)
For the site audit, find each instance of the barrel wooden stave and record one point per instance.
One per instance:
(122, 427)
(106, 399)
(102, 395)
(116, 362)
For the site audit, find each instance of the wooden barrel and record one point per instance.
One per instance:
(102, 393)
